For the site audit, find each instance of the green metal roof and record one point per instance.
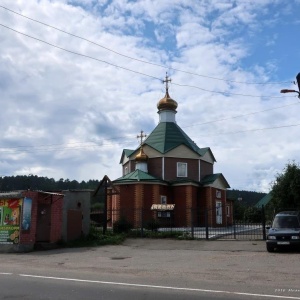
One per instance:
(264, 201)
(168, 135)
(183, 180)
(209, 179)
(126, 152)
(137, 175)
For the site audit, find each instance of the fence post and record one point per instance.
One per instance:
(206, 224)
(142, 222)
(263, 219)
(192, 223)
(233, 216)
(105, 209)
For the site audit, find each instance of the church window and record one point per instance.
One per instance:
(163, 214)
(163, 199)
(228, 211)
(181, 169)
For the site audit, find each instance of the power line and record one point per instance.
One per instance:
(76, 53)
(251, 130)
(95, 146)
(94, 143)
(226, 93)
(130, 70)
(136, 59)
(239, 116)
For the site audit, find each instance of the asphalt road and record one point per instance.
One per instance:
(153, 269)
(30, 288)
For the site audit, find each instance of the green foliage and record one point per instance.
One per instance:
(122, 226)
(168, 234)
(253, 215)
(97, 206)
(96, 238)
(33, 182)
(180, 235)
(152, 225)
(239, 210)
(286, 188)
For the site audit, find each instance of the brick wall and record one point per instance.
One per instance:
(155, 167)
(56, 218)
(171, 168)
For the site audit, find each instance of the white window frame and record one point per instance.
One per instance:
(227, 210)
(163, 199)
(218, 194)
(219, 213)
(181, 168)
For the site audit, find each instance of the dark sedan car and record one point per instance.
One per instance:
(285, 231)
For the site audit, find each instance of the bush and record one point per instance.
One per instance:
(96, 238)
(122, 226)
(97, 206)
(253, 215)
(152, 225)
(168, 235)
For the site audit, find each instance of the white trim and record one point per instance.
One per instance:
(163, 168)
(219, 213)
(227, 210)
(143, 182)
(199, 168)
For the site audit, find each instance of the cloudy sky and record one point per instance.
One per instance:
(79, 79)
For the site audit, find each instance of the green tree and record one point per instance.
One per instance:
(286, 188)
(238, 210)
(252, 215)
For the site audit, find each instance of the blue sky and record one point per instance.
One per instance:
(69, 116)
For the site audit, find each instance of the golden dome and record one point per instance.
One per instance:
(167, 103)
(141, 156)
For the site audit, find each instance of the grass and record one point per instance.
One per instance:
(180, 235)
(97, 238)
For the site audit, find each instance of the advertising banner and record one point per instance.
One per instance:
(26, 220)
(10, 212)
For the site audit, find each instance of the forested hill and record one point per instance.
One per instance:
(33, 182)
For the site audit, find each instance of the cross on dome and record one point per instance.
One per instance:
(141, 136)
(166, 81)
(167, 103)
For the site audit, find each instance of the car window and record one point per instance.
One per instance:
(286, 222)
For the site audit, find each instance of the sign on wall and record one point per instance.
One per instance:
(10, 212)
(26, 219)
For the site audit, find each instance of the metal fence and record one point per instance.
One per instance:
(186, 223)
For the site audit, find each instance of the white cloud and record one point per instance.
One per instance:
(77, 114)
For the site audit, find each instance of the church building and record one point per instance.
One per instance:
(169, 179)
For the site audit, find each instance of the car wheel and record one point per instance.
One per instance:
(270, 248)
